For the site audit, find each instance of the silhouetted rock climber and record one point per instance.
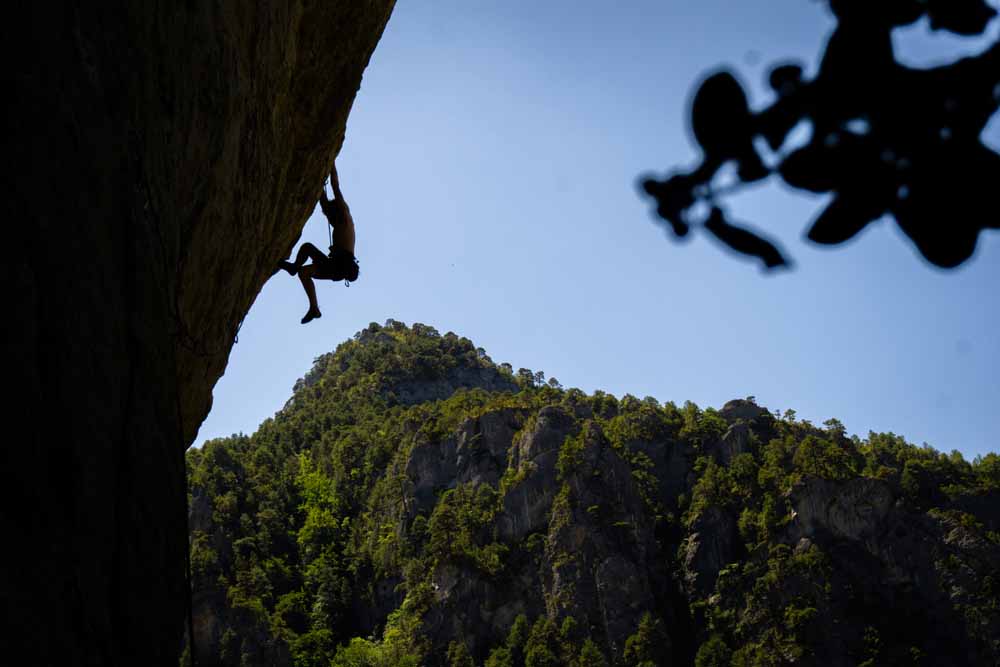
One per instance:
(340, 264)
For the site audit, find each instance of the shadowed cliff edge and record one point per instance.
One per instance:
(164, 157)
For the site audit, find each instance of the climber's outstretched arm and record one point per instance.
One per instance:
(338, 214)
(336, 209)
(335, 183)
(325, 203)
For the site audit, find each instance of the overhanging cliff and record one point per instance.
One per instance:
(164, 156)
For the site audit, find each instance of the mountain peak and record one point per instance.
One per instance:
(416, 502)
(407, 365)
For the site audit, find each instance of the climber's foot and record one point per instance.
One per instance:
(287, 266)
(311, 315)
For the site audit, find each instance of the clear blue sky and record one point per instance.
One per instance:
(490, 163)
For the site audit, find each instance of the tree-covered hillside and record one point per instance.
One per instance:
(415, 503)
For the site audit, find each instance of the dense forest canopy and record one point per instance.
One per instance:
(416, 503)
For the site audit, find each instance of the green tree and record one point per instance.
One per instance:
(358, 653)
(987, 471)
(835, 428)
(647, 647)
(590, 655)
(501, 657)
(540, 649)
(713, 653)
(511, 654)
(822, 458)
(458, 655)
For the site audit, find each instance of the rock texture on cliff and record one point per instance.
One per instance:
(509, 523)
(163, 157)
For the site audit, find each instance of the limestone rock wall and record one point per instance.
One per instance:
(162, 156)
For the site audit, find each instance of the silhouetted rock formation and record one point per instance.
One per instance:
(162, 158)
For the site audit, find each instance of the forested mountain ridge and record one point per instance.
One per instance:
(415, 503)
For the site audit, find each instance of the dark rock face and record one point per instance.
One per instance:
(596, 559)
(711, 546)
(476, 454)
(166, 157)
(599, 560)
(882, 556)
(488, 379)
(741, 410)
(527, 503)
(746, 420)
(614, 574)
(843, 510)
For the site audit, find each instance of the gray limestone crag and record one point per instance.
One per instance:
(711, 545)
(599, 561)
(476, 453)
(580, 542)
(532, 462)
(165, 157)
(735, 441)
(421, 391)
(882, 554)
(741, 409)
(605, 564)
(596, 557)
(853, 509)
(747, 421)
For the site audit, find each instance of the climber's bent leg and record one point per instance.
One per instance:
(306, 251)
(309, 251)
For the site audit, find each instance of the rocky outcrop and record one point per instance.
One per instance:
(735, 441)
(421, 391)
(855, 550)
(740, 409)
(166, 156)
(592, 552)
(926, 577)
(853, 510)
(532, 462)
(711, 545)
(601, 551)
(747, 421)
(476, 454)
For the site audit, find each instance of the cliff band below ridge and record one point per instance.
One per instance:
(161, 158)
